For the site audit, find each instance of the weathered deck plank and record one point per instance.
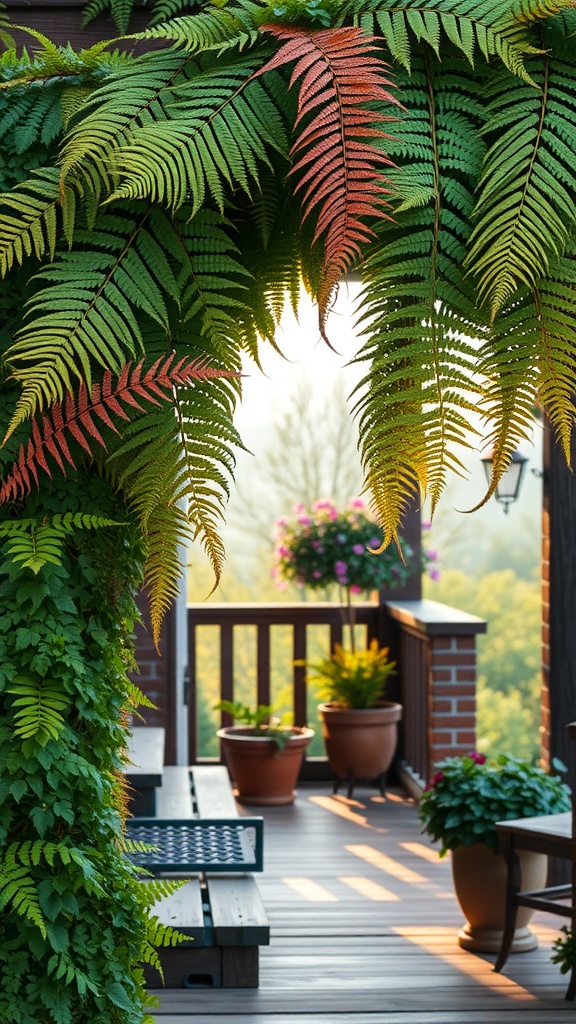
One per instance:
(364, 931)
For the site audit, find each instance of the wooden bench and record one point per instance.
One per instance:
(222, 913)
(145, 768)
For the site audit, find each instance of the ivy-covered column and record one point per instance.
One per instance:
(73, 916)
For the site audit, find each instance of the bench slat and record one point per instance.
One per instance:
(214, 796)
(183, 910)
(238, 913)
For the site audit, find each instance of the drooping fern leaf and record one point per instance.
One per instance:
(88, 315)
(525, 210)
(32, 544)
(219, 131)
(556, 314)
(337, 164)
(489, 28)
(41, 704)
(78, 418)
(211, 29)
(29, 218)
(414, 401)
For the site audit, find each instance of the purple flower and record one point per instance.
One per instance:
(358, 549)
(340, 568)
(434, 574)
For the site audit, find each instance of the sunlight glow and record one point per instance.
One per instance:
(442, 943)
(371, 890)
(344, 810)
(420, 850)
(388, 864)
(310, 890)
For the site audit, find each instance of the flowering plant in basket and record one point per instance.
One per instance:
(469, 794)
(322, 546)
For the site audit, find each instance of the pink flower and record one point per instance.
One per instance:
(434, 574)
(304, 520)
(426, 524)
(357, 503)
(358, 549)
(355, 589)
(316, 574)
(434, 781)
(478, 758)
(340, 568)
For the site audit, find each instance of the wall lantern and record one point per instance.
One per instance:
(508, 489)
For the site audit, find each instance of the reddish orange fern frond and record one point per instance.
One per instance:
(77, 416)
(335, 155)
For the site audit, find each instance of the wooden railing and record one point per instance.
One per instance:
(417, 634)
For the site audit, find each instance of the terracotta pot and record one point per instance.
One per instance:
(360, 744)
(480, 883)
(263, 775)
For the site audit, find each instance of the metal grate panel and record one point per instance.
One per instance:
(197, 844)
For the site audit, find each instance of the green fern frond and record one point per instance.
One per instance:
(103, 286)
(415, 399)
(136, 92)
(488, 28)
(220, 130)
(40, 703)
(211, 29)
(525, 210)
(18, 888)
(120, 10)
(32, 544)
(556, 311)
(136, 698)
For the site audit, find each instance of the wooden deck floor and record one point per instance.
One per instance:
(364, 931)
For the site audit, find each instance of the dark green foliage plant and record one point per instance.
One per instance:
(467, 795)
(260, 720)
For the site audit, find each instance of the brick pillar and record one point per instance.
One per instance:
(452, 721)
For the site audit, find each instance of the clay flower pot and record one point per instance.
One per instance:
(360, 743)
(263, 774)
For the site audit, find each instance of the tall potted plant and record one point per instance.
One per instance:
(319, 548)
(459, 809)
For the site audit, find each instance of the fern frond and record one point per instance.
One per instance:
(88, 314)
(78, 419)
(17, 888)
(488, 28)
(415, 399)
(120, 10)
(40, 703)
(32, 544)
(337, 163)
(219, 131)
(525, 210)
(136, 93)
(211, 29)
(556, 381)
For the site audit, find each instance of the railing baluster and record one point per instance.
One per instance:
(299, 651)
(263, 663)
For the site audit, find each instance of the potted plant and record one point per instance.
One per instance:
(459, 809)
(263, 755)
(321, 547)
(359, 728)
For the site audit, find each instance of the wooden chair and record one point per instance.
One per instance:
(554, 835)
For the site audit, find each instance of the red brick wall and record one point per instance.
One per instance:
(452, 696)
(155, 676)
